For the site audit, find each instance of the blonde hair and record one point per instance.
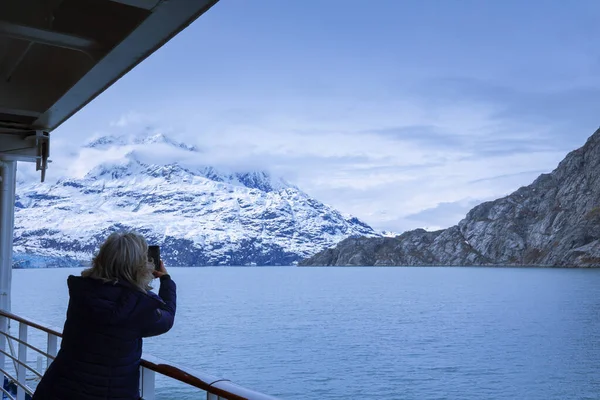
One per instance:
(123, 257)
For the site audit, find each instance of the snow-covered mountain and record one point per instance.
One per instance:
(198, 214)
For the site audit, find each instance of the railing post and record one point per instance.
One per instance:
(51, 349)
(148, 380)
(8, 173)
(4, 329)
(21, 371)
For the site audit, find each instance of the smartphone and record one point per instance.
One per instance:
(154, 256)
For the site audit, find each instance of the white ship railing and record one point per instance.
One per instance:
(215, 388)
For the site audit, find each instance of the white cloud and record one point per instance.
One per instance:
(389, 163)
(131, 118)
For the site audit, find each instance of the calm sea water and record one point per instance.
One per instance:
(373, 333)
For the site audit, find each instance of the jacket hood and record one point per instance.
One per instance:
(108, 303)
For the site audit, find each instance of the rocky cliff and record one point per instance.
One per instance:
(555, 221)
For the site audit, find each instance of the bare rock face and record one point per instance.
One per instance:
(555, 221)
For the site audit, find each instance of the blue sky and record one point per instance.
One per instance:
(403, 113)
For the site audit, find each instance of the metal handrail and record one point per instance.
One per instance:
(16, 359)
(16, 339)
(28, 322)
(7, 393)
(209, 383)
(25, 387)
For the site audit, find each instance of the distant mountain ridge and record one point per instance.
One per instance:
(200, 215)
(555, 221)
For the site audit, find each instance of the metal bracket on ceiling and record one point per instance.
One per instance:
(51, 38)
(42, 145)
(32, 146)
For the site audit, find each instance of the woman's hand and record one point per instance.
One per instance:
(162, 271)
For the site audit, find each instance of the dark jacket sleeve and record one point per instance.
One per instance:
(163, 316)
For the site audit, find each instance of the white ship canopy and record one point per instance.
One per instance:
(55, 57)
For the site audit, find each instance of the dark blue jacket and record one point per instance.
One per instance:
(100, 353)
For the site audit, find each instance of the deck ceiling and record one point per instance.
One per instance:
(57, 55)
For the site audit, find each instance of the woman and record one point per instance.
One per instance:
(110, 310)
